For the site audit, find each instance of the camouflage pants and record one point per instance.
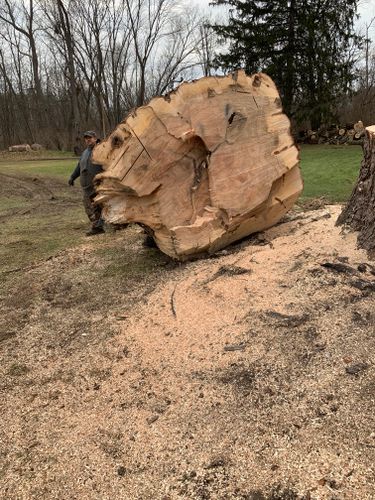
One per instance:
(94, 212)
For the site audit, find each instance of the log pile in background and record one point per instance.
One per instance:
(202, 167)
(351, 133)
(21, 148)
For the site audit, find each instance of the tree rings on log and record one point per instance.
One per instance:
(203, 166)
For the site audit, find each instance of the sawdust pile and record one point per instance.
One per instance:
(249, 375)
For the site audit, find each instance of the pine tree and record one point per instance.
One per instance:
(304, 45)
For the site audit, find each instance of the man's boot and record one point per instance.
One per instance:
(94, 230)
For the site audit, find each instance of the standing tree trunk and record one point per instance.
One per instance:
(206, 165)
(359, 213)
(66, 33)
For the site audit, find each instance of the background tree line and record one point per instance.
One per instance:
(309, 48)
(67, 65)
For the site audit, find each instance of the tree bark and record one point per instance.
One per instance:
(69, 44)
(359, 213)
(202, 167)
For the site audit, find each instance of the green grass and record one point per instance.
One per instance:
(38, 219)
(329, 171)
(29, 238)
(16, 202)
(7, 156)
(49, 168)
(33, 228)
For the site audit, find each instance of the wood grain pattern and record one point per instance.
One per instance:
(204, 166)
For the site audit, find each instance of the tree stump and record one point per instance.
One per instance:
(359, 212)
(203, 166)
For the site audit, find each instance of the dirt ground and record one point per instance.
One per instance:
(248, 375)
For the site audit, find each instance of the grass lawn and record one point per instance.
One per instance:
(60, 169)
(329, 171)
(40, 214)
(7, 156)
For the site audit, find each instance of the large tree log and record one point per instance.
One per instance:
(359, 212)
(206, 165)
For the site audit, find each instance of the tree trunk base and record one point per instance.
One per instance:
(359, 212)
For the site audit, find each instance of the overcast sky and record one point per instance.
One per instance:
(367, 12)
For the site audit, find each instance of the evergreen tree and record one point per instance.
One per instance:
(304, 45)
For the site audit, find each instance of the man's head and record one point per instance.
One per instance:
(90, 138)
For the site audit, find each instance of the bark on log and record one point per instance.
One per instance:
(359, 213)
(202, 167)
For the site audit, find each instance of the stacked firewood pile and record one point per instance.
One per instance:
(351, 133)
(21, 148)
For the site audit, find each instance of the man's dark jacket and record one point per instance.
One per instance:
(86, 170)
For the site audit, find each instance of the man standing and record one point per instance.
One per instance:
(86, 170)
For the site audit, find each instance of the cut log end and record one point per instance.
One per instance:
(203, 167)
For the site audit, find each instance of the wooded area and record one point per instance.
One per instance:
(68, 66)
(308, 48)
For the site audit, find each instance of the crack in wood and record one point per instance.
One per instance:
(141, 143)
(132, 165)
(280, 201)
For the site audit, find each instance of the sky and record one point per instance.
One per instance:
(367, 12)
